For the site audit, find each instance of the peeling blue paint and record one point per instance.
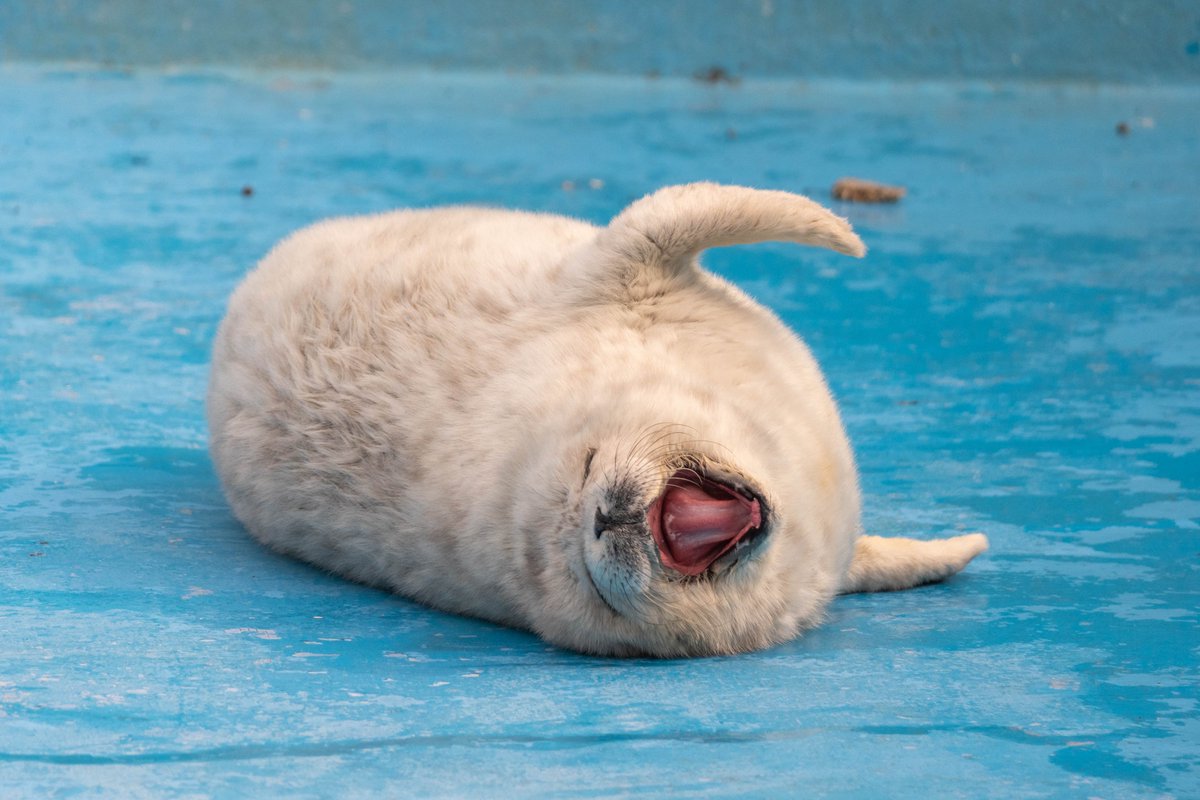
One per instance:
(1019, 354)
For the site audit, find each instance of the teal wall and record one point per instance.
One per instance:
(1088, 40)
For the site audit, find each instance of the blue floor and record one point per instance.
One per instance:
(1019, 354)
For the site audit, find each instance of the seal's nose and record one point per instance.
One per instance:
(617, 523)
(697, 520)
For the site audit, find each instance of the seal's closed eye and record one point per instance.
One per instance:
(587, 462)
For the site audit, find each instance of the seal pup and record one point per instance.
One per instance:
(573, 430)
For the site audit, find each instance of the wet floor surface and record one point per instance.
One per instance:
(1019, 354)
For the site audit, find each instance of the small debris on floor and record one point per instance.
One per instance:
(857, 190)
(247, 191)
(1124, 128)
(715, 75)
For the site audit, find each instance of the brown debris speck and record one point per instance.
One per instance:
(1122, 128)
(715, 75)
(247, 191)
(857, 190)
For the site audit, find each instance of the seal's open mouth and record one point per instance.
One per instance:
(697, 520)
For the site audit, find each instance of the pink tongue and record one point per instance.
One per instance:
(694, 525)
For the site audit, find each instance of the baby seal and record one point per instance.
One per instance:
(573, 430)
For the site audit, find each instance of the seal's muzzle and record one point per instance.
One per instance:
(697, 519)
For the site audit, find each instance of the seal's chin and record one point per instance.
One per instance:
(698, 519)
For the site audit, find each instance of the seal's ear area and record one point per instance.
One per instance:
(882, 565)
(674, 224)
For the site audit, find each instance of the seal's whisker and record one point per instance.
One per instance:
(661, 452)
(678, 483)
(645, 446)
(637, 443)
(647, 476)
(678, 454)
(712, 442)
(660, 429)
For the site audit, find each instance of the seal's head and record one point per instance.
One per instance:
(682, 550)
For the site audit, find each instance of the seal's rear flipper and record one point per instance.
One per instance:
(882, 565)
(657, 237)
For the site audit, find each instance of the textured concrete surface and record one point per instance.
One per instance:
(1088, 40)
(1019, 354)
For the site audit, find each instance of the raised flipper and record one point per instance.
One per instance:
(886, 564)
(655, 240)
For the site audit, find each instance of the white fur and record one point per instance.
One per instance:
(413, 400)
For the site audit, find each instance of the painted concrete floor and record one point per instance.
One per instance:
(1019, 354)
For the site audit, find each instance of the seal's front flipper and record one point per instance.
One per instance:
(886, 564)
(656, 239)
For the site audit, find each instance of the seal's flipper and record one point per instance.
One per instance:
(885, 564)
(660, 235)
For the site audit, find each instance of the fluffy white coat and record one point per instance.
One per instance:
(440, 402)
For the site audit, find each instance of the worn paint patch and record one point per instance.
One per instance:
(1017, 355)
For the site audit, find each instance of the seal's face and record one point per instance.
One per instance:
(683, 551)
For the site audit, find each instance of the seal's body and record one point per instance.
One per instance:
(573, 430)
